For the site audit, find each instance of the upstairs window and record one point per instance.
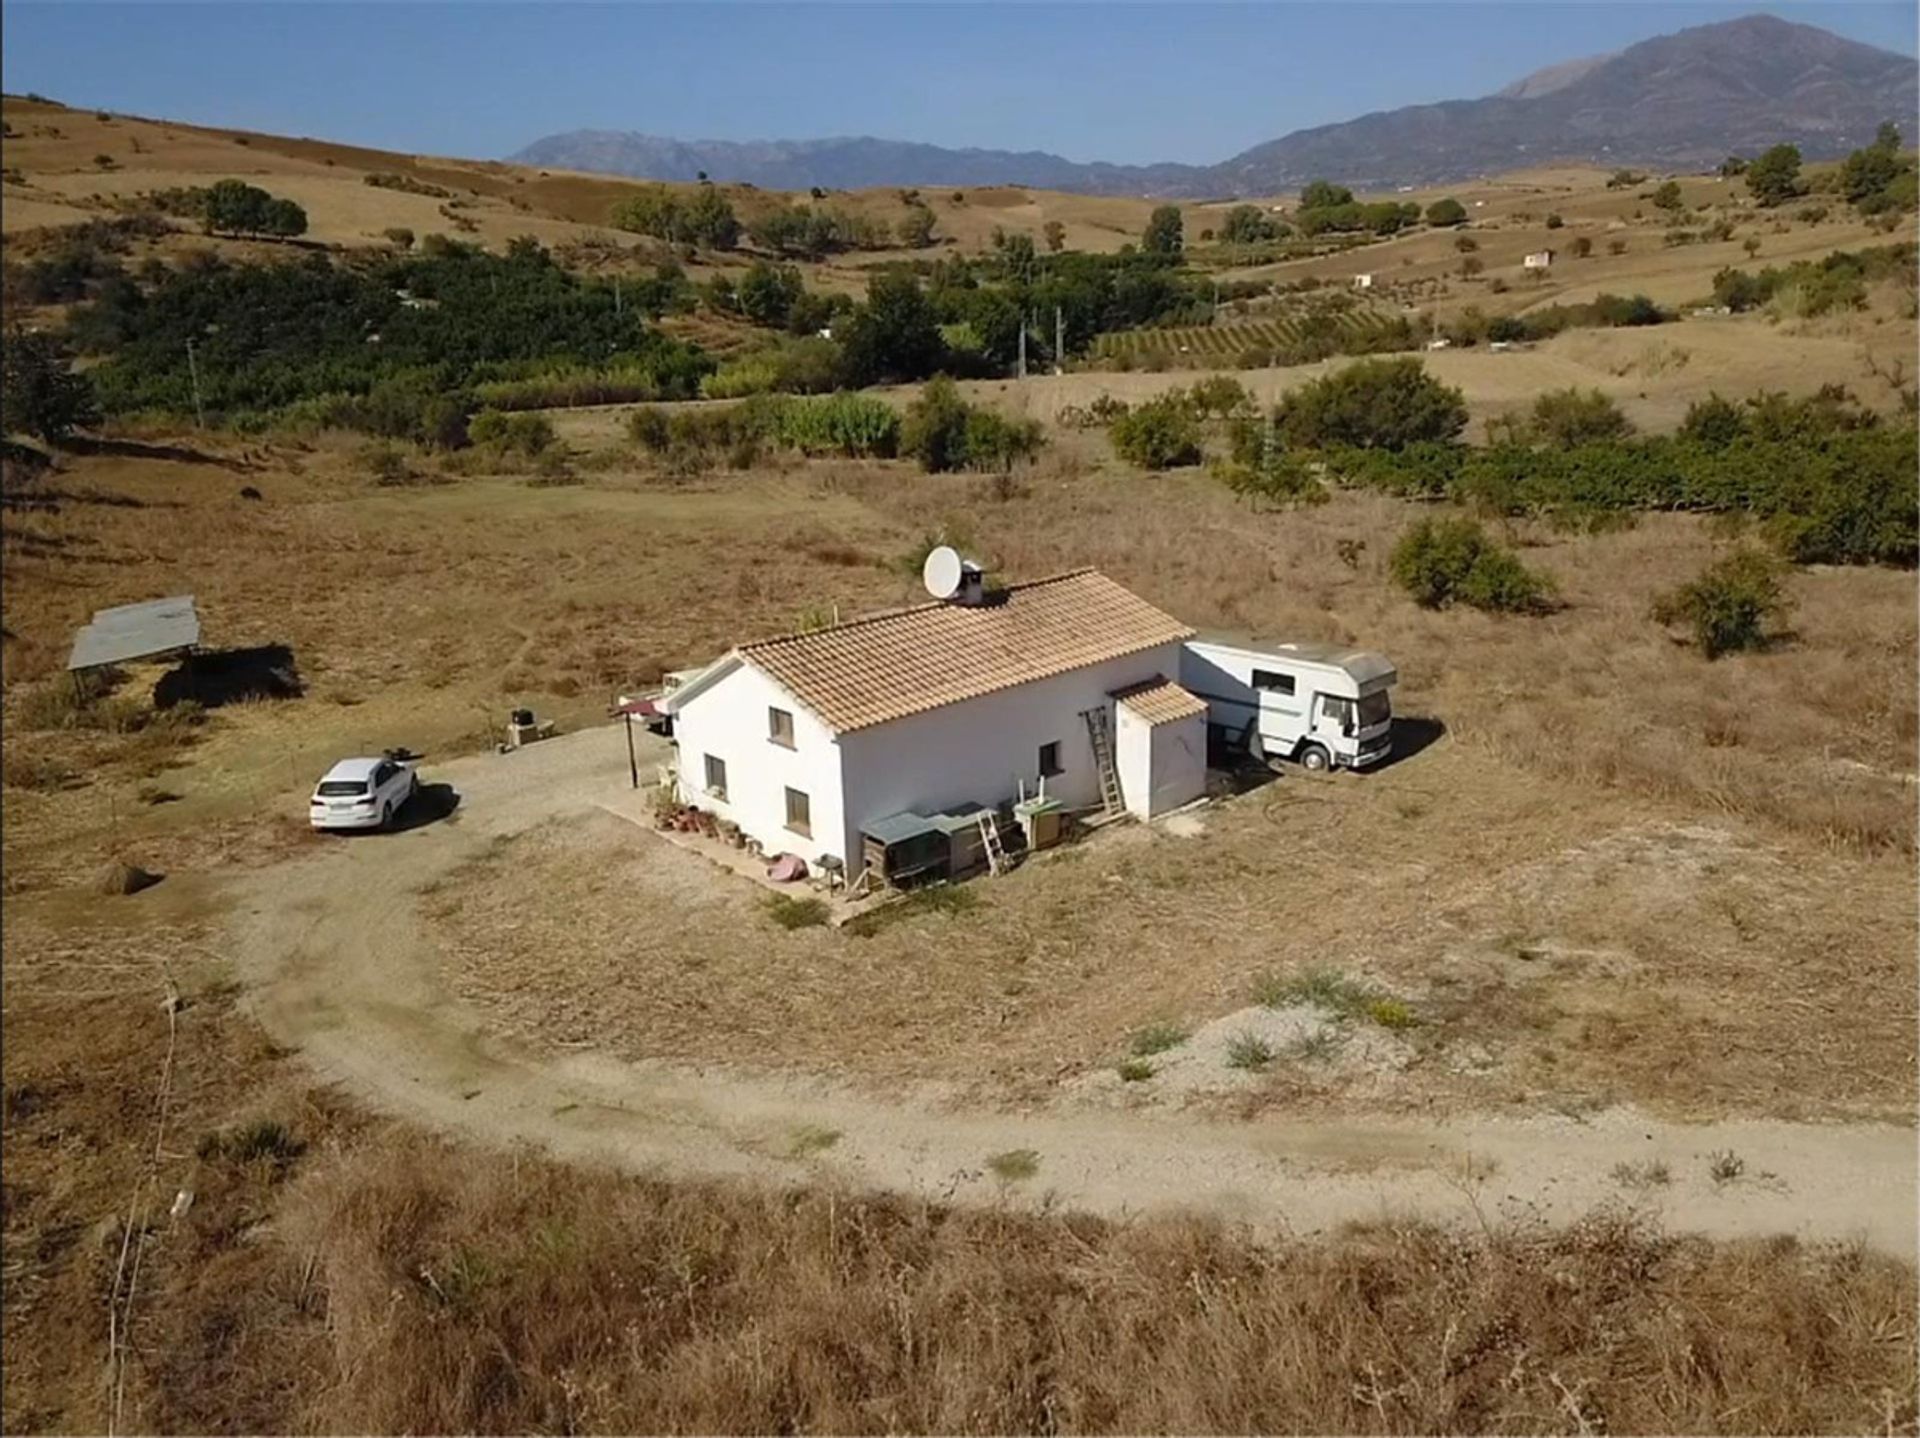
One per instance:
(780, 727)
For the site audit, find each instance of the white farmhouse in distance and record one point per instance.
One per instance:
(1538, 260)
(835, 744)
(1363, 281)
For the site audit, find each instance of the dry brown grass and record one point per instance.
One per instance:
(460, 1301)
(337, 1275)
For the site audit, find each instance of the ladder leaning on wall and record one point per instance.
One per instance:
(990, 842)
(1101, 738)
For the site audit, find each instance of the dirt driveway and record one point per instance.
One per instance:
(333, 953)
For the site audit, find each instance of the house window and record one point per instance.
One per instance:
(1050, 760)
(1272, 683)
(716, 777)
(799, 813)
(780, 727)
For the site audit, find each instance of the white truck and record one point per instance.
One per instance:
(1324, 706)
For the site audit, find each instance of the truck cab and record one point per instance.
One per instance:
(1323, 706)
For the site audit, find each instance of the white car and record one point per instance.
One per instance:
(362, 793)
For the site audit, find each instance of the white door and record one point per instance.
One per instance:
(1333, 720)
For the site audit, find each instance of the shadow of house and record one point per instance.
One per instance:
(215, 677)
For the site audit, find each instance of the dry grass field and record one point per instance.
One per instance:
(336, 1274)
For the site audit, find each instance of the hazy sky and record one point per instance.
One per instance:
(1135, 82)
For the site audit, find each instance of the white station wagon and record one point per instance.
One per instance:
(362, 793)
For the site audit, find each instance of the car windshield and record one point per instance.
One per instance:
(341, 788)
(1375, 709)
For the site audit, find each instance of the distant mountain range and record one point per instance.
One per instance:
(1677, 101)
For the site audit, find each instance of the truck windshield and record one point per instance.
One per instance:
(1375, 709)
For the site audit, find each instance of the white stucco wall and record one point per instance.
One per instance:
(1133, 759)
(1162, 766)
(1179, 764)
(978, 751)
(729, 721)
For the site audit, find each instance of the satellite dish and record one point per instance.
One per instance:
(942, 572)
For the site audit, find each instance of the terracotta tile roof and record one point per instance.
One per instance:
(887, 666)
(1159, 700)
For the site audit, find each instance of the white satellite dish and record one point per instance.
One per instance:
(943, 572)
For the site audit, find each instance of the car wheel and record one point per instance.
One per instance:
(1314, 759)
(386, 816)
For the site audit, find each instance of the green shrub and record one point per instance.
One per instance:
(1249, 1051)
(1731, 606)
(1441, 562)
(1160, 433)
(1571, 417)
(525, 434)
(1373, 404)
(935, 431)
(792, 913)
(1155, 1039)
(385, 464)
(943, 432)
(648, 428)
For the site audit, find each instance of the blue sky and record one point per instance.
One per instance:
(1135, 82)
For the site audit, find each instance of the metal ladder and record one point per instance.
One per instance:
(1102, 741)
(990, 842)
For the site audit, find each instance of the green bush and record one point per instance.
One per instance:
(1373, 404)
(525, 434)
(1160, 433)
(1571, 417)
(1731, 606)
(943, 432)
(1441, 562)
(792, 913)
(648, 428)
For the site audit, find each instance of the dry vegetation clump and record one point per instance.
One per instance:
(464, 1297)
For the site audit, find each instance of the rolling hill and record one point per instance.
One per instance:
(1679, 101)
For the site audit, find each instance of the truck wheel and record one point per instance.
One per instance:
(1314, 759)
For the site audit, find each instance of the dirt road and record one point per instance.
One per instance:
(332, 950)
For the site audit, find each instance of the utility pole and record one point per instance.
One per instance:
(616, 296)
(1059, 341)
(1023, 347)
(193, 370)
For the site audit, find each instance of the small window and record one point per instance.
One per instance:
(780, 727)
(799, 813)
(716, 777)
(1271, 682)
(1050, 760)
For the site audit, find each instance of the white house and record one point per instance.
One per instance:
(1538, 260)
(1363, 281)
(808, 741)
